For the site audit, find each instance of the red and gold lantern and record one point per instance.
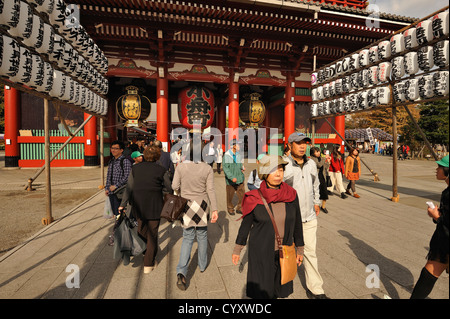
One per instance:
(196, 105)
(133, 107)
(252, 111)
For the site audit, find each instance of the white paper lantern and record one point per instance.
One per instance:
(425, 58)
(314, 78)
(58, 51)
(412, 89)
(24, 27)
(70, 58)
(384, 71)
(339, 70)
(352, 102)
(338, 87)
(411, 63)
(397, 43)
(59, 84)
(326, 90)
(321, 76)
(384, 50)
(366, 77)
(410, 37)
(79, 38)
(25, 67)
(346, 65)
(441, 54)
(48, 79)
(37, 73)
(424, 32)
(332, 88)
(314, 110)
(362, 101)
(326, 108)
(48, 41)
(354, 83)
(426, 86)
(398, 92)
(383, 95)
(314, 96)
(398, 67)
(69, 91)
(373, 54)
(363, 58)
(10, 57)
(58, 16)
(440, 24)
(354, 62)
(9, 14)
(441, 83)
(82, 97)
(372, 99)
(320, 95)
(346, 84)
(76, 95)
(37, 33)
(373, 75)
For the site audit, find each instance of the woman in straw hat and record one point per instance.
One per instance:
(264, 275)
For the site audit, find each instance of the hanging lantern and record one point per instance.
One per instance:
(196, 104)
(252, 111)
(133, 107)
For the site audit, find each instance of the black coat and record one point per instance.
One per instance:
(261, 283)
(144, 190)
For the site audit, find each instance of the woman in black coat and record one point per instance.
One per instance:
(264, 275)
(438, 259)
(144, 192)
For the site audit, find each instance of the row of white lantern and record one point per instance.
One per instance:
(423, 87)
(427, 30)
(424, 59)
(363, 100)
(20, 65)
(18, 16)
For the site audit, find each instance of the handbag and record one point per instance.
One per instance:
(174, 207)
(329, 183)
(288, 254)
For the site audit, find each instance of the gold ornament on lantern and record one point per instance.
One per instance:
(252, 111)
(133, 107)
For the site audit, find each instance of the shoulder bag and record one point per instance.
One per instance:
(288, 255)
(174, 207)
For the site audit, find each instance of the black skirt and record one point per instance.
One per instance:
(323, 191)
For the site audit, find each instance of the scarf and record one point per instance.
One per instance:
(284, 194)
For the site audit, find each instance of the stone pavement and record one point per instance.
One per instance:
(356, 237)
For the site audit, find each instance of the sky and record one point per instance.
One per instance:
(410, 8)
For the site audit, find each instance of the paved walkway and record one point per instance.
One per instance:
(372, 230)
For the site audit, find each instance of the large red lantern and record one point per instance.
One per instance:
(196, 105)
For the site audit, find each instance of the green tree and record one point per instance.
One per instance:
(434, 122)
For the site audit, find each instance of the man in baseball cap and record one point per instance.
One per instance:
(298, 137)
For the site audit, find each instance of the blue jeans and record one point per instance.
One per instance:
(186, 247)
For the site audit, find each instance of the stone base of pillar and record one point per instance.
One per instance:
(12, 161)
(91, 161)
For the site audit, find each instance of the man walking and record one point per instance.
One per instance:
(234, 177)
(301, 174)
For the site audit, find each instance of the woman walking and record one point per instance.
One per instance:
(264, 274)
(219, 157)
(352, 171)
(196, 181)
(144, 192)
(439, 243)
(336, 171)
(322, 163)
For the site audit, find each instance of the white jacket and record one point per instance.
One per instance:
(306, 182)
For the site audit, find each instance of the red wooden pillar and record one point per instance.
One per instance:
(162, 110)
(233, 112)
(289, 108)
(339, 124)
(90, 144)
(12, 123)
